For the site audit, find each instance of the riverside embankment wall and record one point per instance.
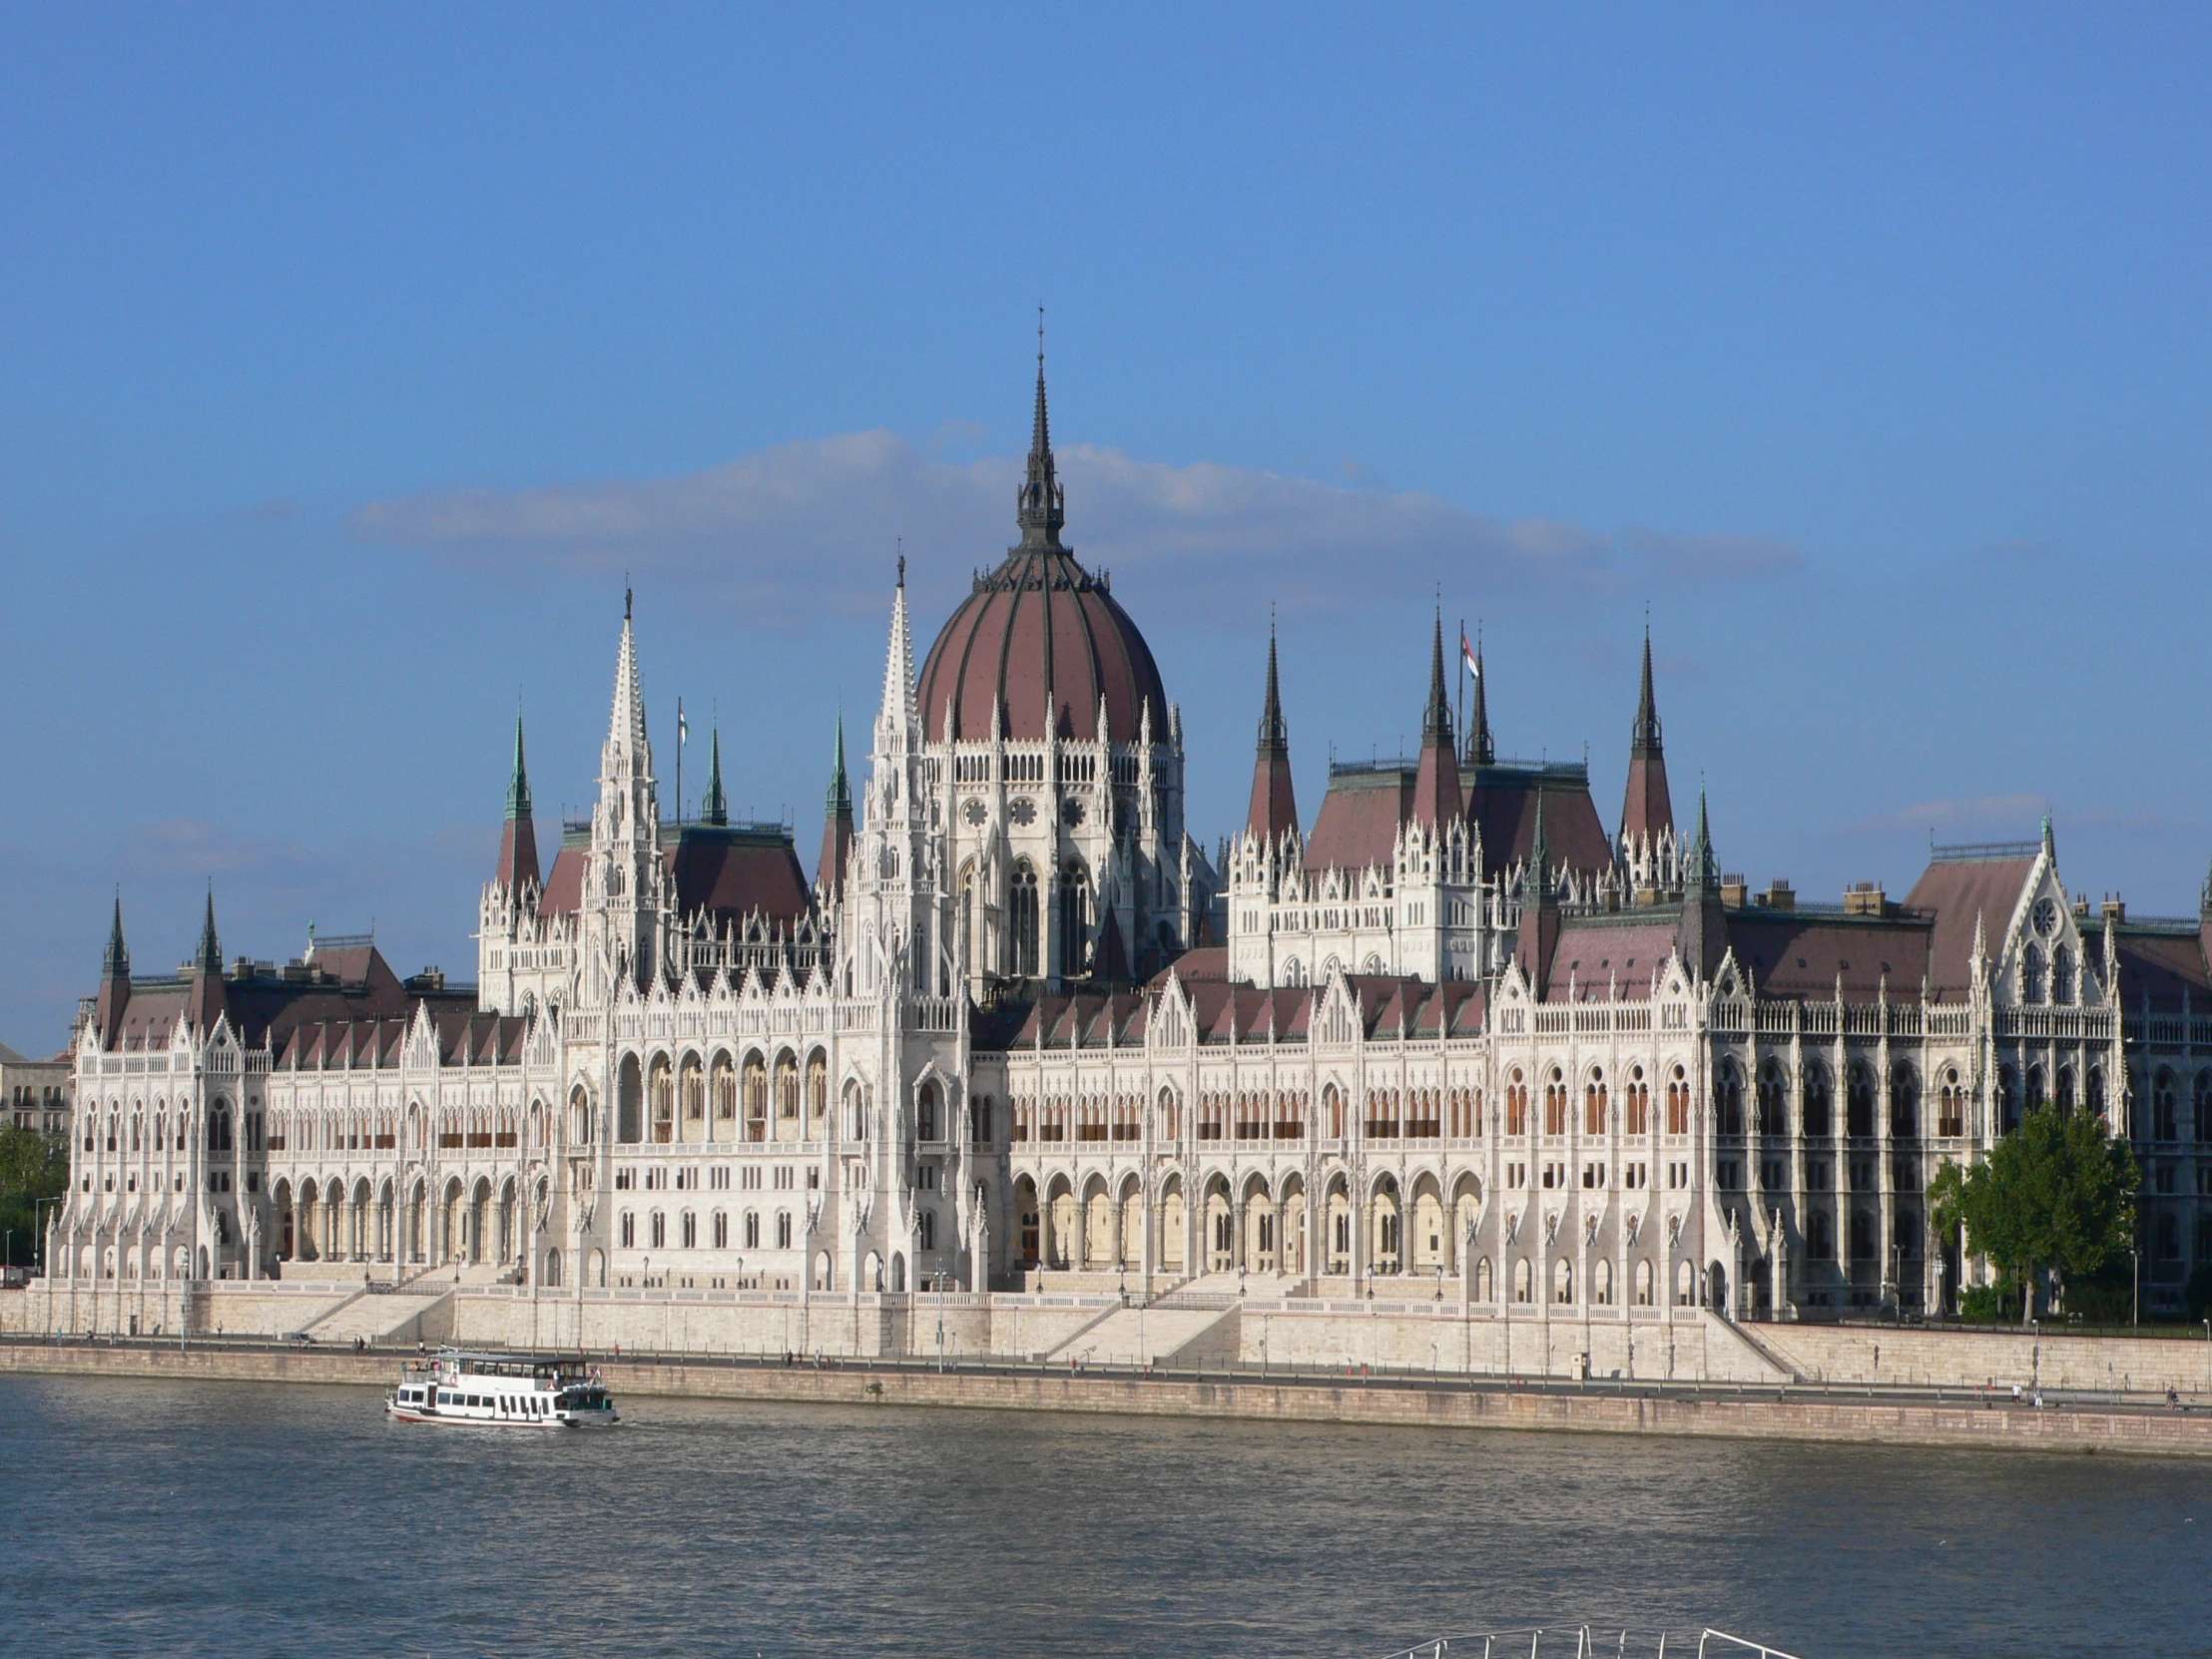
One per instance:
(1721, 1414)
(1387, 1334)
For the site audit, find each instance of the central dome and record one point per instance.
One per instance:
(1040, 639)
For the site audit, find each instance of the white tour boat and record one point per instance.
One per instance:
(503, 1390)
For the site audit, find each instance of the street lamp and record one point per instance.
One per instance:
(1371, 1280)
(2135, 1311)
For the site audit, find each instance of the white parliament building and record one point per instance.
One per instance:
(1454, 1041)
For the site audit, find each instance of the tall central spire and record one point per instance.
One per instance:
(1043, 504)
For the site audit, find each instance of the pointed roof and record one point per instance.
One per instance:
(1481, 750)
(114, 962)
(1436, 718)
(840, 792)
(1042, 506)
(1700, 871)
(626, 726)
(1273, 809)
(519, 786)
(1436, 795)
(518, 837)
(1646, 739)
(1536, 879)
(209, 957)
(1040, 645)
(713, 806)
(898, 659)
(1647, 810)
(836, 825)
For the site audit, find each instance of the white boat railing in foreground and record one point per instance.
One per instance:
(1588, 1644)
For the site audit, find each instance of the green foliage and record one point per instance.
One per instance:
(32, 1167)
(1988, 1304)
(2057, 1195)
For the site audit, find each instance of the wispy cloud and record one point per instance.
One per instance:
(2016, 815)
(808, 526)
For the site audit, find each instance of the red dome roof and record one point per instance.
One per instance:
(1041, 633)
(1039, 638)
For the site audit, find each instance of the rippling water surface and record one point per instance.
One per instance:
(236, 1518)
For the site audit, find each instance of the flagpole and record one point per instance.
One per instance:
(679, 762)
(1462, 725)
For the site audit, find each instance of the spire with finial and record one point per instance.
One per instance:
(1043, 504)
(209, 957)
(1646, 738)
(837, 828)
(115, 977)
(1699, 873)
(714, 806)
(1701, 938)
(1536, 879)
(1437, 796)
(1273, 809)
(518, 837)
(1647, 810)
(519, 786)
(1538, 936)
(115, 963)
(1436, 718)
(1481, 750)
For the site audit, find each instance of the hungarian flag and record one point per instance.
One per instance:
(683, 727)
(1467, 654)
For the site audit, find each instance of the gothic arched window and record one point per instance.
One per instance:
(1075, 922)
(1023, 919)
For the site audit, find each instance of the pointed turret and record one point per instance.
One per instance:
(115, 977)
(1647, 811)
(209, 957)
(1274, 809)
(1481, 750)
(1702, 938)
(900, 713)
(836, 825)
(1042, 508)
(1437, 796)
(713, 805)
(1539, 907)
(205, 999)
(625, 883)
(518, 840)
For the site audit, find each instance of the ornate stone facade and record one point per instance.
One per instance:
(1457, 1040)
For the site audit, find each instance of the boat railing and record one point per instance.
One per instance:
(1588, 1643)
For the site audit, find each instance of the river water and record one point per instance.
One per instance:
(244, 1518)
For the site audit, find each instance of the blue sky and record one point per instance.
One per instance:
(349, 359)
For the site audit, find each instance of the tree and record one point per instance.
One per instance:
(33, 1167)
(2057, 1195)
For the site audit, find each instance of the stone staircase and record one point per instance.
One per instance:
(1155, 1336)
(396, 1319)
